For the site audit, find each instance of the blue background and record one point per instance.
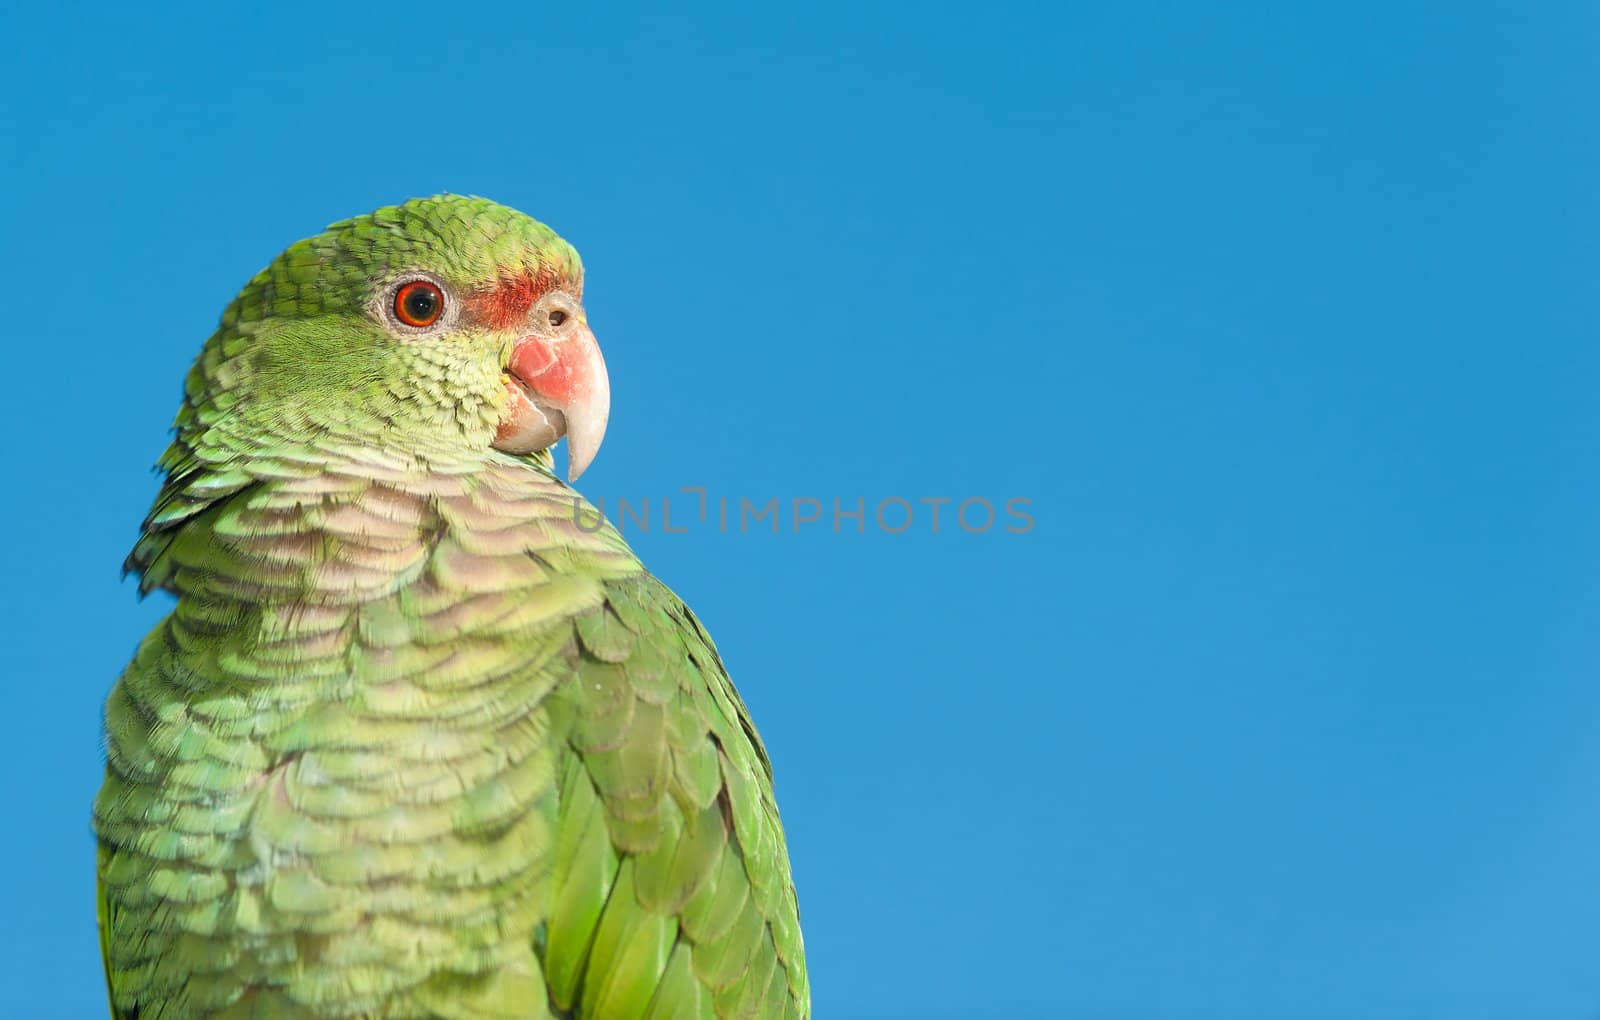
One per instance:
(1283, 318)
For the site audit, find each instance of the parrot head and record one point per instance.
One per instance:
(440, 326)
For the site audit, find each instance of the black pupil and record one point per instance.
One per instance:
(557, 318)
(421, 303)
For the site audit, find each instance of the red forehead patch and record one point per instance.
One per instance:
(508, 301)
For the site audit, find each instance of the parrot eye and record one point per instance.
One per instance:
(557, 317)
(419, 303)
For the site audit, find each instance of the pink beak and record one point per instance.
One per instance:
(557, 387)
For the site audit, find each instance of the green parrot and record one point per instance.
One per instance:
(422, 737)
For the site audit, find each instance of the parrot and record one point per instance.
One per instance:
(421, 737)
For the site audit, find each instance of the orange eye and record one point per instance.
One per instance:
(418, 303)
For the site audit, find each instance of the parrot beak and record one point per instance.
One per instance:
(557, 387)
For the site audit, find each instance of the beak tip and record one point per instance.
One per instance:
(579, 457)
